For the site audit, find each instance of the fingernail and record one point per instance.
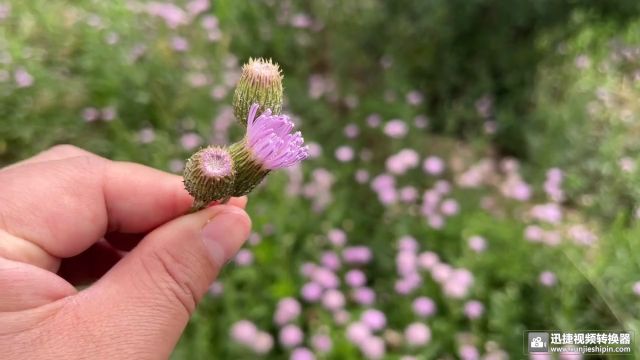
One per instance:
(224, 234)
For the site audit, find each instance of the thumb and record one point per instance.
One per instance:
(148, 297)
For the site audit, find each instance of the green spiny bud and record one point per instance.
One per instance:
(260, 83)
(209, 176)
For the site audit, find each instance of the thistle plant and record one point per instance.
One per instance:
(260, 83)
(218, 173)
(268, 145)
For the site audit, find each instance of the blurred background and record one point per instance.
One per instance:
(473, 169)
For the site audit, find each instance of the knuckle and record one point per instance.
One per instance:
(66, 149)
(71, 152)
(88, 162)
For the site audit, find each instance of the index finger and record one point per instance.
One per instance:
(64, 206)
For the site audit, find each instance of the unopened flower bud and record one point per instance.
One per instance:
(209, 176)
(268, 145)
(260, 83)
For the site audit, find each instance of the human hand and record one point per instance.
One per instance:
(68, 217)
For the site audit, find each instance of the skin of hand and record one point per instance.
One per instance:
(69, 217)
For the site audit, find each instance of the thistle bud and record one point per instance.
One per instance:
(268, 145)
(260, 83)
(209, 176)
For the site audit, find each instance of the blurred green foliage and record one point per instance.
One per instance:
(455, 52)
(589, 103)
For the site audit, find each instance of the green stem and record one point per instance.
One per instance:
(197, 206)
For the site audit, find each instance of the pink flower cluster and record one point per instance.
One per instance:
(245, 333)
(553, 185)
(550, 213)
(92, 114)
(436, 207)
(455, 283)
(319, 189)
(476, 175)
(515, 188)
(402, 161)
(385, 186)
(537, 234)
(396, 129)
(173, 15)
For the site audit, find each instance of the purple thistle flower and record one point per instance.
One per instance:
(357, 333)
(357, 255)
(179, 44)
(23, 78)
(288, 309)
(290, 336)
(333, 300)
(473, 309)
(331, 260)
(408, 243)
(337, 237)
(146, 135)
(417, 334)
(547, 278)
(5, 11)
(270, 140)
(268, 145)
(341, 317)
(90, 114)
(321, 343)
(196, 7)
(311, 292)
(364, 296)
(243, 332)
(396, 129)
(468, 352)
(373, 348)
(423, 306)
(344, 153)
(263, 343)
(362, 176)
(374, 319)
(428, 260)
(170, 13)
(325, 277)
(374, 120)
(244, 257)
(477, 243)
(302, 353)
(216, 289)
(406, 262)
(355, 278)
